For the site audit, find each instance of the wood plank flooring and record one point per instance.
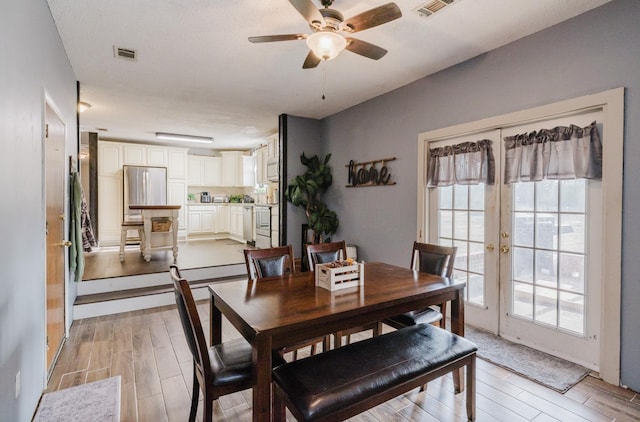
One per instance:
(148, 350)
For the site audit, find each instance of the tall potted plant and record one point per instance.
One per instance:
(305, 191)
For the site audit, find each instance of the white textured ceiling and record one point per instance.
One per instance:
(197, 73)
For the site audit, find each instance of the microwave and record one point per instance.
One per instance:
(272, 169)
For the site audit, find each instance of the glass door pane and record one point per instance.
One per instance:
(548, 259)
(461, 211)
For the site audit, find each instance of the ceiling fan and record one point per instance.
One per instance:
(328, 24)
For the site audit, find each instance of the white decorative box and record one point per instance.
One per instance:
(339, 275)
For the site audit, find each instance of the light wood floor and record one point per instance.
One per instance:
(148, 350)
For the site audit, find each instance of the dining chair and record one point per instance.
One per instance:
(277, 262)
(321, 253)
(217, 370)
(432, 259)
(269, 262)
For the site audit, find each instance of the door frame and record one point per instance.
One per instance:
(612, 104)
(48, 101)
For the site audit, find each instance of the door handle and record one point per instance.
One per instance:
(490, 247)
(65, 243)
(504, 249)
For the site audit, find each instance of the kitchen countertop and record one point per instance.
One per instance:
(154, 207)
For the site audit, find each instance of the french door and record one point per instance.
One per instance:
(550, 252)
(529, 251)
(468, 217)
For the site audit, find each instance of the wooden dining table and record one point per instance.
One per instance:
(280, 311)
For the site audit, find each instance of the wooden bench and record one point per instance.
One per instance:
(344, 382)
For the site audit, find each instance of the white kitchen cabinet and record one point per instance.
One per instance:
(109, 209)
(231, 168)
(202, 218)
(109, 159)
(236, 224)
(194, 170)
(204, 171)
(222, 219)
(209, 218)
(157, 156)
(195, 221)
(237, 168)
(143, 155)
(248, 170)
(272, 147)
(211, 171)
(261, 165)
(134, 155)
(177, 163)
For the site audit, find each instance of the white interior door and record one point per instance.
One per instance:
(550, 240)
(468, 217)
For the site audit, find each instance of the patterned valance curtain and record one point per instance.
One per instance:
(468, 163)
(564, 152)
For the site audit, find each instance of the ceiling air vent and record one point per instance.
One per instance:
(432, 7)
(124, 53)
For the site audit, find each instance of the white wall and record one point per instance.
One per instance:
(591, 53)
(33, 63)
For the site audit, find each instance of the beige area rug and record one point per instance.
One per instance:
(97, 401)
(550, 371)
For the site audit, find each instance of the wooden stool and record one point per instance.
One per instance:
(125, 227)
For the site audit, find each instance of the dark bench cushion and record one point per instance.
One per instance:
(324, 383)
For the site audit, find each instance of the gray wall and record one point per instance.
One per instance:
(593, 52)
(33, 62)
(303, 135)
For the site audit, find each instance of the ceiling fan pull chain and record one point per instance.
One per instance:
(324, 73)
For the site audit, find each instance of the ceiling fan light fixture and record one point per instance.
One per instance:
(183, 138)
(326, 45)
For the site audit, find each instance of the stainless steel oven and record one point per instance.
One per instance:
(263, 227)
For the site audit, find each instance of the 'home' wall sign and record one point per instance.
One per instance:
(369, 173)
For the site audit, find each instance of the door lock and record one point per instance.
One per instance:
(504, 235)
(504, 249)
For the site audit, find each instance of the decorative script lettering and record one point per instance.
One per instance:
(369, 173)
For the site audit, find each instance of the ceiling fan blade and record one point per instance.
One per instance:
(271, 38)
(308, 10)
(365, 49)
(311, 61)
(374, 17)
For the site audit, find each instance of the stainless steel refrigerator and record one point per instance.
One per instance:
(143, 186)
